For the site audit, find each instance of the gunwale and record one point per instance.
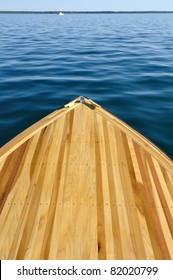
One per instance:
(139, 167)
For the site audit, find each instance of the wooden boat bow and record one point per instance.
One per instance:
(82, 184)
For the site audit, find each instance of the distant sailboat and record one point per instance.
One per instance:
(61, 14)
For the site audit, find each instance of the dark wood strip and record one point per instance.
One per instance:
(5, 167)
(133, 192)
(25, 165)
(161, 195)
(167, 181)
(38, 147)
(160, 248)
(32, 201)
(4, 170)
(8, 186)
(100, 206)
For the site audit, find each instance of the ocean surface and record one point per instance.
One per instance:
(124, 62)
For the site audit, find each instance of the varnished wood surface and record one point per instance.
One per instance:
(81, 184)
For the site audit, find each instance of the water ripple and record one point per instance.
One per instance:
(123, 61)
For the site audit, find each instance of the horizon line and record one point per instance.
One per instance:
(53, 11)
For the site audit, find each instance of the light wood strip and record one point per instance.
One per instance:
(2, 162)
(58, 215)
(87, 219)
(169, 181)
(165, 183)
(76, 185)
(110, 144)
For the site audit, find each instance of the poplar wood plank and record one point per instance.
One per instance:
(82, 184)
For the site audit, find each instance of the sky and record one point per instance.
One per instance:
(86, 5)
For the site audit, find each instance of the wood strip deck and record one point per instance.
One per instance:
(81, 184)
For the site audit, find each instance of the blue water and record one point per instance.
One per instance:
(124, 62)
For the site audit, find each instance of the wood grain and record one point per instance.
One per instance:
(81, 184)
